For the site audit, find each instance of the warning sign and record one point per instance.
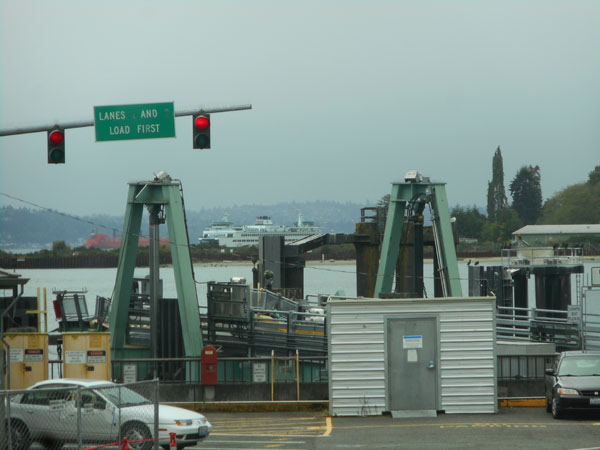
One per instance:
(34, 355)
(96, 356)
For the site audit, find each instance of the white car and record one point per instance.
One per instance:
(47, 413)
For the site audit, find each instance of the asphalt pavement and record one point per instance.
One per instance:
(511, 428)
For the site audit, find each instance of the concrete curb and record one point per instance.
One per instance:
(522, 403)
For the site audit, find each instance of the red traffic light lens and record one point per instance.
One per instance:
(202, 123)
(57, 137)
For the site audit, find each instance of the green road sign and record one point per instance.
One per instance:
(146, 121)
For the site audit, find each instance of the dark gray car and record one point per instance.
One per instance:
(573, 383)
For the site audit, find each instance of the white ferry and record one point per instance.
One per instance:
(219, 230)
(228, 235)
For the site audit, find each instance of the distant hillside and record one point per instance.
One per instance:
(24, 227)
(578, 203)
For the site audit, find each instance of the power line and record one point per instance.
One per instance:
(70, 216)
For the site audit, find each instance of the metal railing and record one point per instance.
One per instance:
(513, 323)
(538, 325)
(266, 321)
(281, 300)
(261, 330)
(260, 369)
(541, 256)
(277, 369)
(545, 325)
(523, 367)
(591, 331)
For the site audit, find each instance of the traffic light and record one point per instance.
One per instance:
(56, 146)
(202, 131)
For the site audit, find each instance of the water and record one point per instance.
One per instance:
(319, 278)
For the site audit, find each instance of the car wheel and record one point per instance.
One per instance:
(548, 404)
(51, 444)
(19, 435)
(135, 431)
(556, 411)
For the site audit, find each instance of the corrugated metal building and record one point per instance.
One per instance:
(412, 355)
(549, 234)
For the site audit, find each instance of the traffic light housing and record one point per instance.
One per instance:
(201, 133)
(56, 146)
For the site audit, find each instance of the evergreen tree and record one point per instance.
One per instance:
(526, 192)
(594, 175)
(469, 221)
(501, 230)
(496, 198)
(60, 248)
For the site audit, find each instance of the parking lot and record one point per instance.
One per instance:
(522, 428)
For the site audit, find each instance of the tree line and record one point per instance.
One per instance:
(577, 204)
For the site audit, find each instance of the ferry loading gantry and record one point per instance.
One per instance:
(161, 196)
(408, 200)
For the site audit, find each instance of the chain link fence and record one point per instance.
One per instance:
(78, 416)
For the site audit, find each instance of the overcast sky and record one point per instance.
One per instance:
(347, 96)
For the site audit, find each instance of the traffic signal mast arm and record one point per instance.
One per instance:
(64, 126)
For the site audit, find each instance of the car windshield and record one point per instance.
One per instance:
(580, 366)
(122, 396)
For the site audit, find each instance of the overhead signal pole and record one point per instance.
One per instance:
(90, 123)
(144, 121)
